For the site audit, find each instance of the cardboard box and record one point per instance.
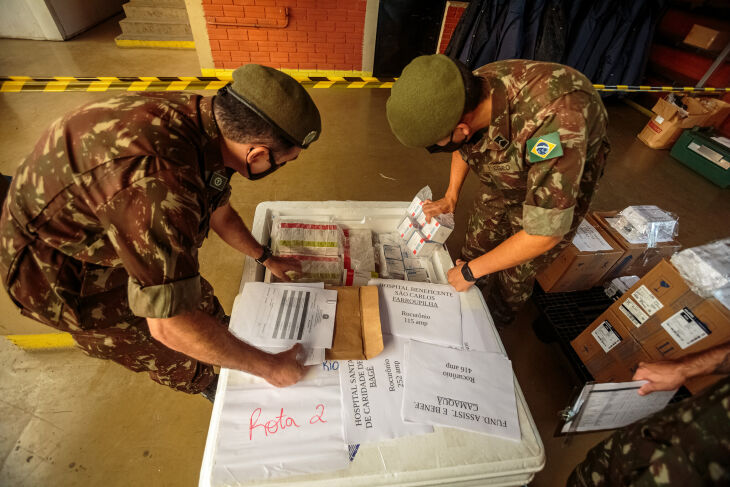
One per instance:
(667, 125)
(707, 38)
(608, 350)
(358, 334)
(575, 269)
(637, 259)
(662, 131)
(665, 318)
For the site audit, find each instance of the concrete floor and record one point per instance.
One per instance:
(72, 420)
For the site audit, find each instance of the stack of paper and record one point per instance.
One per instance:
(421, 311)
(467, 390)
(275, 317)
(371, 391)
(268, 432)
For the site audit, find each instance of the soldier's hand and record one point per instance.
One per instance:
(662, 376)
(456, 278)
(434, 208)
(279, 266)
(286, 368)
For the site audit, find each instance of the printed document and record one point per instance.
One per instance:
(613, 405)
(421, 311)
(477, 326)
(467, 390)
(281, 315)
(371, 391)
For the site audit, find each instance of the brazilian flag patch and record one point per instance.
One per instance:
(544, 147)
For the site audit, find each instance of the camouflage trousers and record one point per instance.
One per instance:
(90, 303)
(686, 444)
(489, 224)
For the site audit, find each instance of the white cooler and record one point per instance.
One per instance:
(445, 457)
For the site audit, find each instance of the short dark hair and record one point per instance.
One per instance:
(473, 88)
(240, 124)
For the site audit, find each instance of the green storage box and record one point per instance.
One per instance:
(704, 151)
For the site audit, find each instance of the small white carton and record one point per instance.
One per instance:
(439, 228)
(416, 206)
(406, 228)
(419, 246)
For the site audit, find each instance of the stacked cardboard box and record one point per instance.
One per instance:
(637, 258)
(584, 263)
(659, 318)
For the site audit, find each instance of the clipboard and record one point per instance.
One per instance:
(608, 406)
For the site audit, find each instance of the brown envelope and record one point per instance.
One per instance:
(357, 333)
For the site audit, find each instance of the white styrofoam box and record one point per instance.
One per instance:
(447, 456)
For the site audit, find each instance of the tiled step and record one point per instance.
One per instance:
(158, 3)
(156, 41)
(133, 11)
(155, 27)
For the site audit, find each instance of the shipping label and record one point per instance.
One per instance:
(633, 312)
(685, 328)
(606, 336)
(647, 300)
(587, 239)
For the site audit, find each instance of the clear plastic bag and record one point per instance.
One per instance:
(706, 268)
(292, 236)
(647, 224)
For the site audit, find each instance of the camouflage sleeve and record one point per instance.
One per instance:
(153, 225)
(553, 184)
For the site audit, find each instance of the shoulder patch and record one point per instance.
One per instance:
(544, 147)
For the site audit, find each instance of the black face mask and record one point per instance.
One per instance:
(452, 146)
(274, 167)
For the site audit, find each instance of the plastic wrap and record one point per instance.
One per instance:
(647, 224)
(416, 206)
(706, 269)
(439, 228)
(297, 237)
(358, 250)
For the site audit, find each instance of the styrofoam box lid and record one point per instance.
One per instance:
(446, 456)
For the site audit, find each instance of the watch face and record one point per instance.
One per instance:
(466, 272)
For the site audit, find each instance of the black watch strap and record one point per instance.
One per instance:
(466, 272)
(265, 255)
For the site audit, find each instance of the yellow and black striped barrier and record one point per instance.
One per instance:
(19, 84)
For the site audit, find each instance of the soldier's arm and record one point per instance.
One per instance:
(447, 204)
(668, 375)
(227, 223)
(517, 249)
(200, 336)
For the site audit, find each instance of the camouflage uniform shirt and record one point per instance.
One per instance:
(531, 99)
(116, 195)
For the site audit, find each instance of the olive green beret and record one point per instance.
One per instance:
(427, 101)
(279, 99)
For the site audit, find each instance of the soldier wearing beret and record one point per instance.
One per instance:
(100, 230)
(534, 133)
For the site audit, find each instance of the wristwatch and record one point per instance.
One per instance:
(466, 272)
(264, 256)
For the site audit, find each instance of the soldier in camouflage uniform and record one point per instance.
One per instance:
(100, 230)
(687, 444)
(535, 135)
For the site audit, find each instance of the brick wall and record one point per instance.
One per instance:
(320, 34)
(453, 14)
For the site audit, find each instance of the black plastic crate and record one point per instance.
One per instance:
(568, 314)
